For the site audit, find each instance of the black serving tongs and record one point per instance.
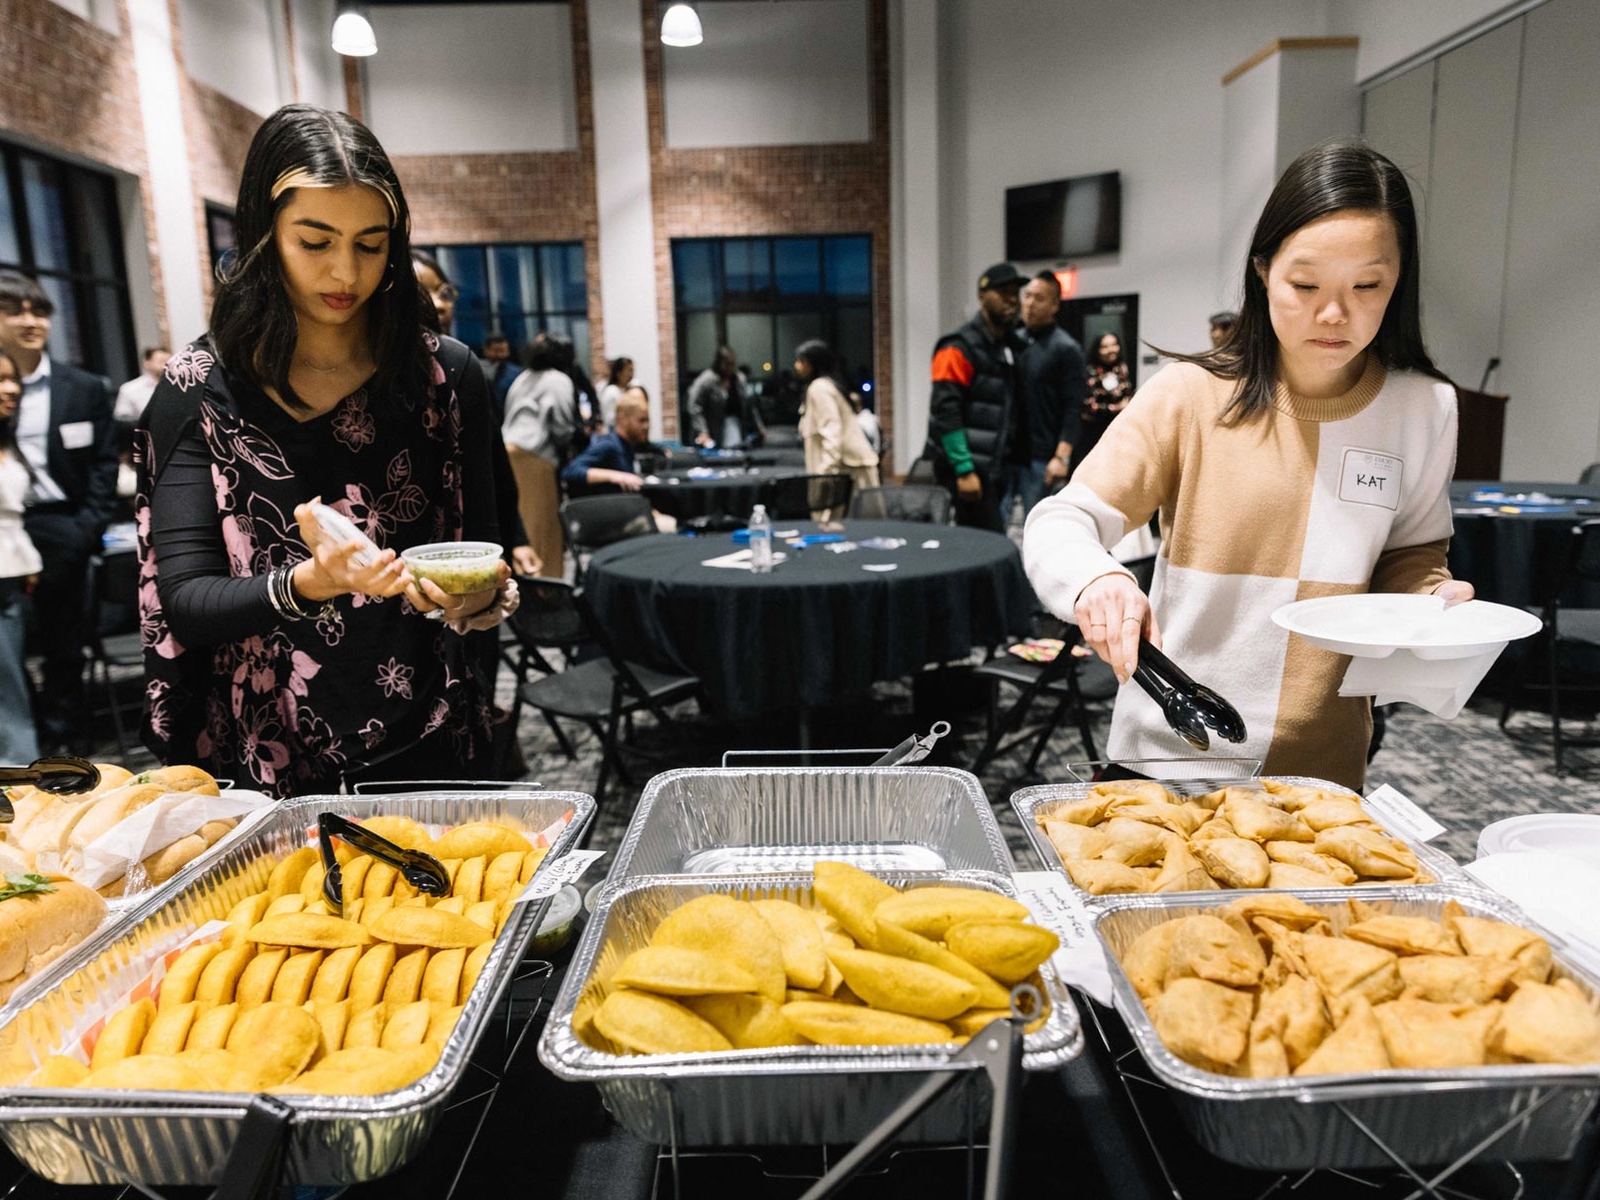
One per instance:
(422, 871)
(61, 775)
(1189, 707)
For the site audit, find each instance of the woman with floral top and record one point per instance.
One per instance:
(274, 653)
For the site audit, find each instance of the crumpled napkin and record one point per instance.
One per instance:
(1439, 685)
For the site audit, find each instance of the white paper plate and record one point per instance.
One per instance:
(1376, 625)
(1574, 835)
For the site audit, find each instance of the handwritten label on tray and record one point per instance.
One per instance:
(1081, 960)
(1400, 815)
(569, 870)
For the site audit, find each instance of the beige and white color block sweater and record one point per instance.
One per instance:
(1311, 498)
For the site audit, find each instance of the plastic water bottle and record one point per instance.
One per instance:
(760, 529)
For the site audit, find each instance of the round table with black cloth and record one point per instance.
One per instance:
(730, 492)
(1514, 553)
(819, 627)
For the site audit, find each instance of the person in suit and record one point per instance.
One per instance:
(65, 432)
(608, 462)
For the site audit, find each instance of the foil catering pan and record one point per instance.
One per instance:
(792, 1095)
(185, 1138)
(1426, 1117)
(728, 822)
(1033, 803)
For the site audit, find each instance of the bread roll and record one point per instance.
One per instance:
(182, 779)
(48, 832)
(164, 864)
(111, 809)
(38, 927)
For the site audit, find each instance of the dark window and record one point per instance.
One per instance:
(518, 289)
(763, 297)
(59, 223)
(222, 236)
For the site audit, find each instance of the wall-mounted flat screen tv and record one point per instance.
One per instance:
(1066, 218)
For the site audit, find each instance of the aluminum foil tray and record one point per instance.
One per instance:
(1035, 802)
(794, 1095)
(173, 1138)
(731, 822)
(1425, 1116)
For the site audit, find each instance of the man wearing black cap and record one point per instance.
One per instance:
(970, 413)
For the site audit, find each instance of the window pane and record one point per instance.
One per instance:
(699, 342)
(96, 224)
(746, 265)
(854, 348)
(66, 330)
(694, 274)
(10, 250)
(222, 235)
(794, 328)
(111, 355)
(798, 264)
(565, 288)
(468, 272)
(750, 335)
(41, 189)
(847, 263)
(580, 342)
(519, 332)
(512, 282)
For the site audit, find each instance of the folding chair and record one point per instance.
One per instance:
(910, 502)
(113, 641)
(599, 692)
(796, 497)
(591, 522)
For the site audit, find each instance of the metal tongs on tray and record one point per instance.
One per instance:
(914, 749)
(422, 871)
(61, 775)
(1189, 707)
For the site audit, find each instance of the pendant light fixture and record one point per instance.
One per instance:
(352, 34)
(680, 26)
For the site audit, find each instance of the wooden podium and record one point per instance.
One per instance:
(1481, 434)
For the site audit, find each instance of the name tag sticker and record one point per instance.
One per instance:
(75, 435)
(1368, 477)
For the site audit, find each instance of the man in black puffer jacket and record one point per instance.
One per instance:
(970, 413)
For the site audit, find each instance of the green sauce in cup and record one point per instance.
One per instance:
(456, 568)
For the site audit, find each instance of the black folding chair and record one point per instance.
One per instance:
(910, 502)
(1564, 626)
(601, 691)
(545, 624)
(113, 641)
(796, 497)
(1071, 682)
(591, 522)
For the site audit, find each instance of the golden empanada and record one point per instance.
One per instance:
(1233, 862)
(722, 925)
(1203, 1023)
(1367, 852)
(308, 930)
(1498, 939)
(1212, 949)
(1456, 978)
(480, 839)
(1356, 1045)
(1260, 822)
(679, 971)
(1299, 854)
(1134, 843)
(1146, 958)
(1073, 841)
(1325, 814)
(1422, 1034)
(1101, 878)
(430, 927)
(1404, 935)
(1348, 971)
(1295, 1012)
(1548, 1023)
(1181, 871)
(1140, 789)
(1288, 911)
(651, 1024)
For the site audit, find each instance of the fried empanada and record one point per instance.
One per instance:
(1265, 1058)
(1422, 1034)
(1203, 1023)
(1292, 797)
(733, 929)
(1456, 978)
(1297, 1015)
(1212, 949)
(1356, 1045)
(680, 971)
(1233, 862)
(1101, 878)
(1299, 854)
(1550, 1023)
(308, 930)
(748, 1022)
(831, 1024)
(1073, 841)
(430, 927)
(1288, 911)
(1181, 871)
(1146, 958)
(1326, 814)
(1134, 843)
(1140, 789)
(1091, 810)
(1261, 822)
(1349, 971)
(1367, 852)
(1175, 817)
(1217, 827)
(1498, 939)
(1404, 935)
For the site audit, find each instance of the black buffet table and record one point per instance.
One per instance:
(821, 626)
(1513, 552)
(713, 491)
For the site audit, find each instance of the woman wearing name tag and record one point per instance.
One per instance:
(1310, 454)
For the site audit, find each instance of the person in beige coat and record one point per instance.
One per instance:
(834, 442)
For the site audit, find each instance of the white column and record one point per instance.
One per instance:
(913, 215)
(622, 193)
(171, 189)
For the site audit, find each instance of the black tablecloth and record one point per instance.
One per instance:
(731, 492)
(1516, 557)
(819, 627)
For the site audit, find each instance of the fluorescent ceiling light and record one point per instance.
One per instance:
(353, 36)
(680, 26)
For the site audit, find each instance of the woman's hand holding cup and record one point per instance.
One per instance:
(427, 596)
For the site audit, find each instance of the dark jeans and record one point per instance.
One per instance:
(60, 616)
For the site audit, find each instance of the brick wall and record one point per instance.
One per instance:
(217, 131)
(765, 190)
(544, 196)
(70, 86)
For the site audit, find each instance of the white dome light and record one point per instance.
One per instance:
(680, 26)
(353, 36)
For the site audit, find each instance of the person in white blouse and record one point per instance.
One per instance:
(19, 566)
(135, 394)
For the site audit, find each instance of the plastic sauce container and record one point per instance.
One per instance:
(456, 568)
(555, 931)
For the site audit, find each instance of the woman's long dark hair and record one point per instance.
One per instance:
(615, 369)
(253, 324)
(8, 425)
(824, 363)
(1335, 176)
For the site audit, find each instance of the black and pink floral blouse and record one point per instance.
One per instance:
(297, 707)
